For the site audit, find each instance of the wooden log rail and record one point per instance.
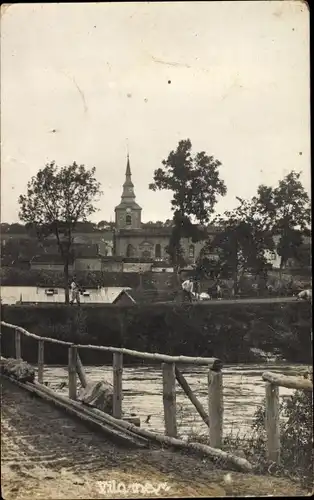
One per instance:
(272, 421)
(170, 374)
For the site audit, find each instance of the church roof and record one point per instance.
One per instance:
(128, 204)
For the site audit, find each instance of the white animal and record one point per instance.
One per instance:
(201, 296)
(305, 295)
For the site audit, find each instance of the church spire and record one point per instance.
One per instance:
(128, 212)
(128, 186)
(128, 168)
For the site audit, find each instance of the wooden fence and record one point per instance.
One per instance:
(170, 375)
(272, 422)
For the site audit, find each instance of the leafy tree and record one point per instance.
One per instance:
(57, 198)
(241, 243)
(286, 211)
(5, 227)
(158, 223)
(168, 223)
(85, 227)
(14, 228)
(103, 224)
(175, 249)
(195, 183)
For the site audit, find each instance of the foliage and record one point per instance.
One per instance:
(241, 243)
(11, 276)
(296, 435)
(296, 438)
(286, 211)
(158, 223)
(12, 228)
(196, 185)
(103, 224)
(57, 198)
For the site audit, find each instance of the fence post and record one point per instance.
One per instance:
(272, 422)
(215, 408)
(80, 371)
(40, 371)
(18, 353)
(169, 398)
(188, 391)
(117, 384)
(72, 372)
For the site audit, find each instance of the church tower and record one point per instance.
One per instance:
(128, 212)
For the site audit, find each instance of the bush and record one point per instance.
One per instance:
(296, 437)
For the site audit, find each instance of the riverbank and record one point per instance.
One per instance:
(234, 332)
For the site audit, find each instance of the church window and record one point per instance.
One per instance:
(128, 220)
(158, 251)
(146, 254)
(130, 251)
(191, 251)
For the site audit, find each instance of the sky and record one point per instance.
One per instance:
(86, 82)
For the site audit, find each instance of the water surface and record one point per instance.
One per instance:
(243, 392)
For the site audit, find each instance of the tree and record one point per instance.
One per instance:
(158, 223)
(103, 224)
(57, 198)
(195, 183)
(241, 243)
(286, 211)
(16, 228)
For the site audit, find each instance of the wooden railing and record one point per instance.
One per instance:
(272, 421)
(170, 374)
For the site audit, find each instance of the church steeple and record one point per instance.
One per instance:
(128, 212)
(128, 186)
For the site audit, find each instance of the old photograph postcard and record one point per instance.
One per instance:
(156, 266)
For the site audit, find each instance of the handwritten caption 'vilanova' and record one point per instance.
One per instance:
(125, 489)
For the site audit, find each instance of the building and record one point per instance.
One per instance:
(44, 295)
(130, 247)
(132, 240)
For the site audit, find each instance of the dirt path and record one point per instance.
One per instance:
(45, 454)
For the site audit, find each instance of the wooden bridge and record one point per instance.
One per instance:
(123, 429)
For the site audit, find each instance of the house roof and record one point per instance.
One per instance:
(30, 294)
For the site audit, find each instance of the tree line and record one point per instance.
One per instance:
(59, 200)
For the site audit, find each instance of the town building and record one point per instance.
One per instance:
(47, 295)
(134, 240)
(129, 247)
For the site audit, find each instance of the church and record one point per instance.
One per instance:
(132, 240)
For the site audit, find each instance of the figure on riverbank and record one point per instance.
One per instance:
(215, 290)
(187, 288)
(305, 295)
(75, 293)
(218, 290)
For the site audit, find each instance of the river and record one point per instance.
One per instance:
(243, 392)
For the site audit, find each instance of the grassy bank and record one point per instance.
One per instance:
(296, 439)
(228, 332)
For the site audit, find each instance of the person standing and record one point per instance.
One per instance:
(197, 287)
(75, 293)
(218, 289)
(187, 287)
